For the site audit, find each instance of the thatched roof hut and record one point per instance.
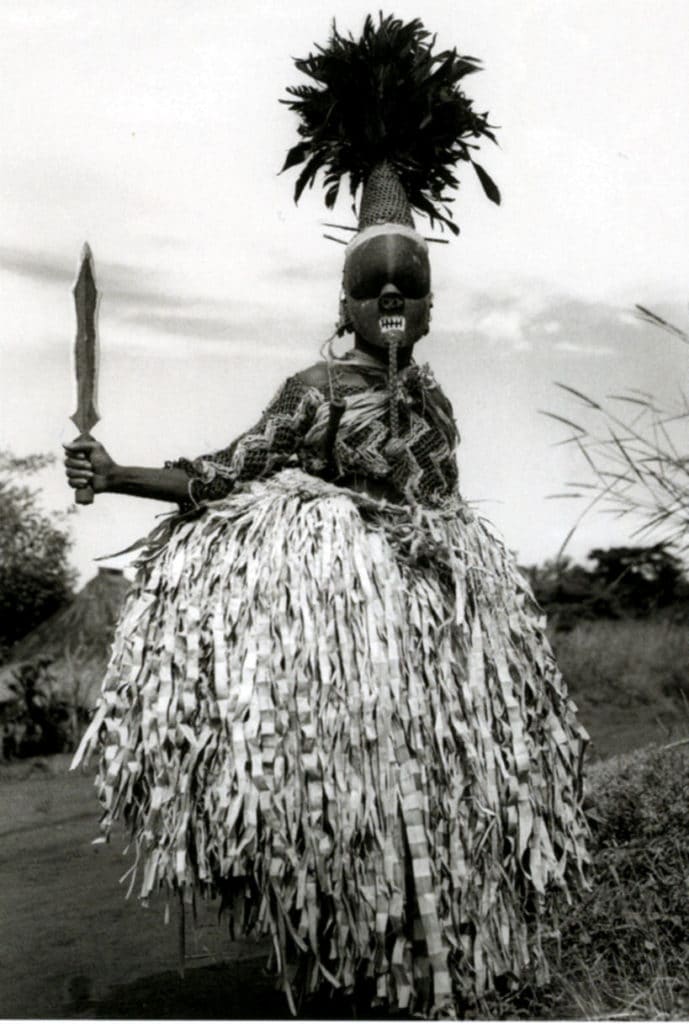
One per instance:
(76, 639)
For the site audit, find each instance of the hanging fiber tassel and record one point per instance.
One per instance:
(393, 386)
(395, 446)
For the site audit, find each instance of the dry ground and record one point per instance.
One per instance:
(72, 946)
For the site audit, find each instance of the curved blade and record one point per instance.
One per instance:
(86, 344)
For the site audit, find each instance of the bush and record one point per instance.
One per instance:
(35, 576)
(638, 661)
(635, 923)
(622, 950)
(37, 721)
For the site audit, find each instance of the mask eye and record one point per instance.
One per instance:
(412, 283)
(367, 286)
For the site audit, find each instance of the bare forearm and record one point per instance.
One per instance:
(146, 482)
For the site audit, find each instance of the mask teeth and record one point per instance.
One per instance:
(391, 323)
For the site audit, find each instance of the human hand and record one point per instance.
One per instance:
(89, 468)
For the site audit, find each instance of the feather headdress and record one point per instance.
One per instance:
(390, 114)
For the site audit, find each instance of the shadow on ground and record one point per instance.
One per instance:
(205, 993)
(220, 991)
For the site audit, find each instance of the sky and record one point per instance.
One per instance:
(153, 130)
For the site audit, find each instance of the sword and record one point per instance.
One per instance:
(85, 357)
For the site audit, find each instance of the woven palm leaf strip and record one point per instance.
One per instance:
(342, 718)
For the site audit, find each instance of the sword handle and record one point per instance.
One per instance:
(84, 496)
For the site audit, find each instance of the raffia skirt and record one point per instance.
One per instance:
(343, 716)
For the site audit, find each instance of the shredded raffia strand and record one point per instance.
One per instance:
(344, 717)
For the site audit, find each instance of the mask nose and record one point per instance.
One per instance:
(390, 300)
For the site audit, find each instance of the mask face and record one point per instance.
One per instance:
(387, 284)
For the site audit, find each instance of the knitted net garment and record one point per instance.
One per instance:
(264, 449)
(422, 468)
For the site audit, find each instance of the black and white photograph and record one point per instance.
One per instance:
(344, 510)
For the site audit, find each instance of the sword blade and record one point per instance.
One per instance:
(86, 344)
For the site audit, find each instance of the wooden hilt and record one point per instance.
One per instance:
(84, 495)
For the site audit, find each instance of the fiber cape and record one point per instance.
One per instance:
(343, 716)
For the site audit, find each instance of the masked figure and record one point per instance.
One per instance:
(331, 699)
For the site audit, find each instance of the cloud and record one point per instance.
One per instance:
(517, 318)
(504, 325)
(233, 326)
(148, 313)
(584, 350)
(302, 271)
(526, 317)
(202, 325)
(128, 282)
(139, 294)
(40, 268)
(630, 319)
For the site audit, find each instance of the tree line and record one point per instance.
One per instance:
(621, 582)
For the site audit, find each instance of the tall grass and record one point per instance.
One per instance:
(634, 449)
(626, 944)
(622, 952)
(626, 662)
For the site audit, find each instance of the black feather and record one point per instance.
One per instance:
(388, 97)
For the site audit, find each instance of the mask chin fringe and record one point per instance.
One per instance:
(393, 385)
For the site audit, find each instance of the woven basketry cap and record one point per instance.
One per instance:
(384, 200)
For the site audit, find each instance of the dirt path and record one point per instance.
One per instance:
(72, 946)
